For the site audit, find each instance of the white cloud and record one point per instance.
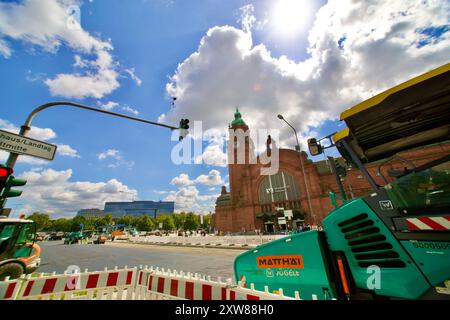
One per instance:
(118, 158)
(356, 49)
(188, 197)
(53, 191)
(5, 51)
(130, 110)
(131, 73)
(110, 105)
(43, 134)
(113, 153)
(46, 23)
(181, 181)
(213, 178)
(66, 150)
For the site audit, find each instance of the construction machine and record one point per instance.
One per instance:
(392, 243)
(19, 254)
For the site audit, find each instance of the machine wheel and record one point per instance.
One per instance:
(12, 270)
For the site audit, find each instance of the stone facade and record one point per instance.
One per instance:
(252, 202)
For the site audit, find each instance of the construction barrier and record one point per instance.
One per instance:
(187, 286)
(210, 241)
(141, 283)
(9, 289)
(99, 285)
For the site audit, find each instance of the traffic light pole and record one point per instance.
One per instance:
(27, 125)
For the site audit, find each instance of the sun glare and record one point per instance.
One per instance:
(289, 16)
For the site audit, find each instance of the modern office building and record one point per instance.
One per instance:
(139, 208)
(91, 213)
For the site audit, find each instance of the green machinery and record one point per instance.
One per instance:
(393, 243)
(19, 253)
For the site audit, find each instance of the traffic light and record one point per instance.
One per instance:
(184, 126)
(7, 181)
(5, 172)
(340, 170)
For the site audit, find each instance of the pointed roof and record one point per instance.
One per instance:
(238, 119)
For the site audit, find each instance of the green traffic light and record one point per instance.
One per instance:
(7, 192)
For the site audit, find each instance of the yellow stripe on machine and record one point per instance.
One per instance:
(341, 135)
(369, 103)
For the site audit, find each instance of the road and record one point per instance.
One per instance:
(214, 262)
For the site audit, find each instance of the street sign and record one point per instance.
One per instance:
(288, 214)
(15, 143)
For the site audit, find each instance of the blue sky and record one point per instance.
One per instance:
(139, 53)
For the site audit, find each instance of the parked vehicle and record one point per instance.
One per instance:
(56, 236)
(98, 238)
(74, 237)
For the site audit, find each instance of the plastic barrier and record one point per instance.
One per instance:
(186, 286)
(223, 241)
(132, 284)
(101, 285)
(9, 289)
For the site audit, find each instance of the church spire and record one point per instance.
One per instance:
(238, 121)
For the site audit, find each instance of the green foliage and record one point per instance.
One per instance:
(167, 222)
(144, 223)
(179, 219)
(42, 220)
(127, 220)
(192, 221)
(186, 221)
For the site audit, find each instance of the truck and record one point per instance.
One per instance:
(392, 243)
(19, 254)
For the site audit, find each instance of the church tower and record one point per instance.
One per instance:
(240, 157)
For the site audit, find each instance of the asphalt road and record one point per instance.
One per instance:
(214, 262)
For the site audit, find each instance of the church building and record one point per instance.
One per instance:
(280, 201)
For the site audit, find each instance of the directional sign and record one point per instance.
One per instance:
(15, 143)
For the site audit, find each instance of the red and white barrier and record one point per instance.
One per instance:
(180, 285)
(429, 223)
(9, 289)
(132, 284)
(102, 285)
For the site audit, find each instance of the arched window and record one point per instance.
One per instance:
(280, 188)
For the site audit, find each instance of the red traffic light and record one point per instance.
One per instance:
(5, 172)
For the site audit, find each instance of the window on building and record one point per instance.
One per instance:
(279, 189)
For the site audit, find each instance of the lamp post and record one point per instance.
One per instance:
(25, 128)
(297, 148)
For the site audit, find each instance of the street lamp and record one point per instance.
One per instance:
(297, 148)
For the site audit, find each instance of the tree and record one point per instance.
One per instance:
(42, 220)
(192, 221)
(144, 223)
(60, 224)
(167, 222)
(76, 222)
(108, 218)
(126, 220)
(178, 220)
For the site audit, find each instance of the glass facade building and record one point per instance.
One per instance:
(91, 213)
(139, 208)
